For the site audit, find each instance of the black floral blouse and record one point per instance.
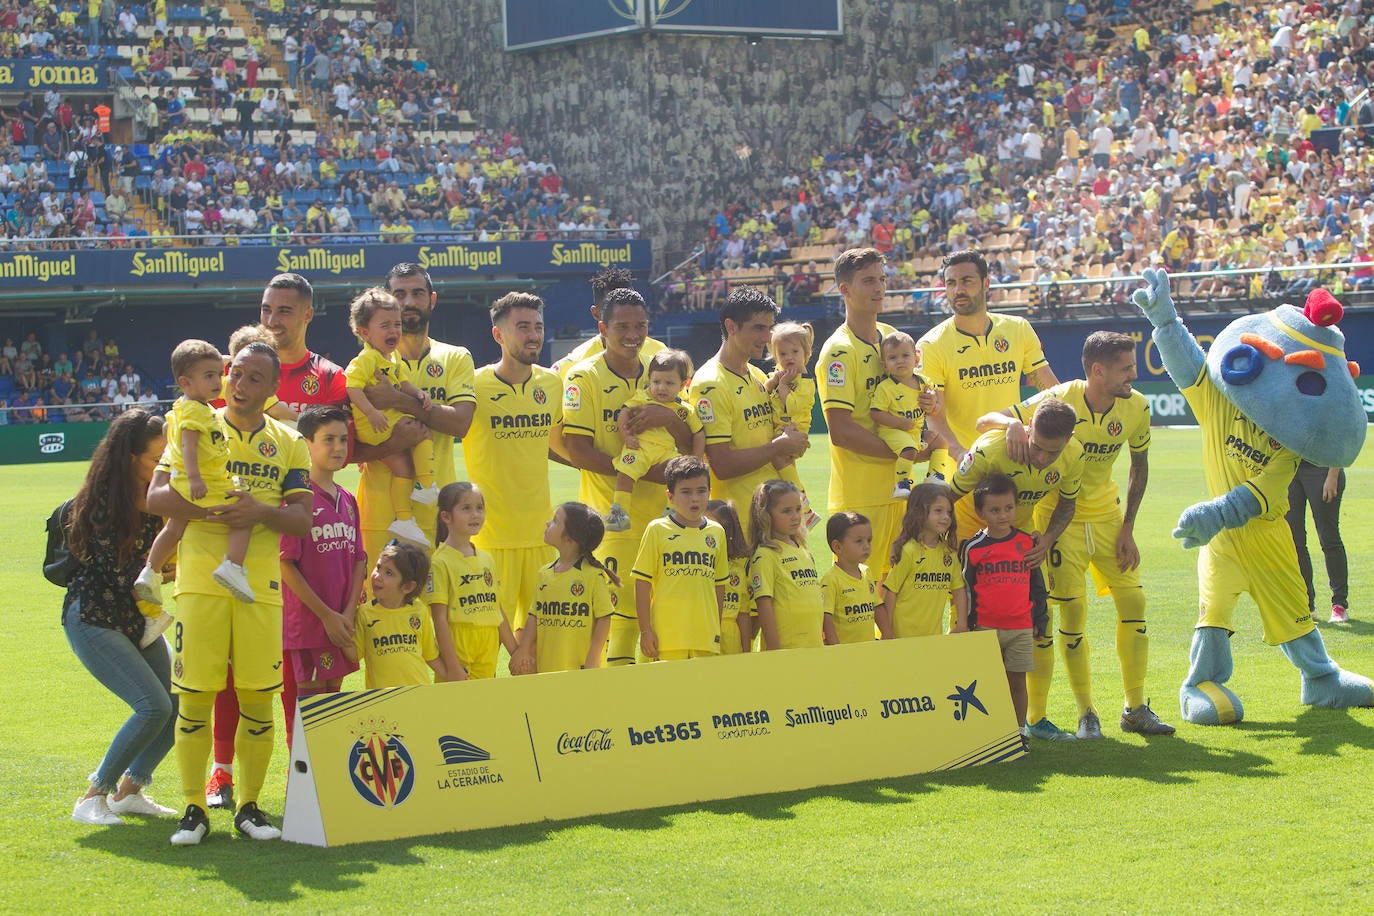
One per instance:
(105, 588)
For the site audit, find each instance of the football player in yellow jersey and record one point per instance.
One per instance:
(605, 281)
(975, 357)
(595, 391)
(444, 372)
(519, 404)
(729, 396)
(681, 570)
(850, 365)
(1110, 415)
(213, 629)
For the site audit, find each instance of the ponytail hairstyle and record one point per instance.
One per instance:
(736, 545)
(448, 498)
(918, 504)
(761, 512)
(586, 529)
(411, 562)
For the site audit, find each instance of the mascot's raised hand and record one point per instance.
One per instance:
(1273, 388)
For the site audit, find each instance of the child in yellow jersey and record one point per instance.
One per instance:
(847, 587)
(681, 570)
(925, 574)
(782, 574)
(198, 457)
(571, 618)
(736, 613)
(394, 634)
(668, 372)
(375, 317)
(793, 395)
(469, 624)
(897, 412)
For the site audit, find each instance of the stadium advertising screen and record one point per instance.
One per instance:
(800, 18)
(538, 23)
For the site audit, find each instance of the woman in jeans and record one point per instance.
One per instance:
(110, 533)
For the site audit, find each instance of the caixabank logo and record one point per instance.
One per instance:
(380, 766)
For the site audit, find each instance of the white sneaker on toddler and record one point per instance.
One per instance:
(617, 519)
(233, 578)
(148, 586)
(153, 628)
(406, 530)
(424, 495)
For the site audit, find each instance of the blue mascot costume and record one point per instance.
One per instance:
(1273, 388)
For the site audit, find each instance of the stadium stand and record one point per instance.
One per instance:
(1078, 148)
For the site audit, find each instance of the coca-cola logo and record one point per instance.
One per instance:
(598, 739)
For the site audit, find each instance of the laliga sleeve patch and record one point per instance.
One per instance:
(920, 360)
(966, 462)
(572, 397)
(835, 373)
(755, 584)
(705, 412)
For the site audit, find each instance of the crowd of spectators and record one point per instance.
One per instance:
(382, 160)
(90, 383)
(1090, 145)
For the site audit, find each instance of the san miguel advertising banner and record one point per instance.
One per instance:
(364, 262)
(385, 764)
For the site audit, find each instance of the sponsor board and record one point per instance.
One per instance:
(385, 764)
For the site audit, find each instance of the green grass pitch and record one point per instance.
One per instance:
(1270, 815)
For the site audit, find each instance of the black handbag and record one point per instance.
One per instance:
(59, 566)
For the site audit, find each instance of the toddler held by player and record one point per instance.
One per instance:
(1005, 593)
(668, 373)
(394, 632)
(793, 395)
(848, 589)
(925, 576)
(375, 317)
(897, 412)
(782, 573)
(198, 458)
(558, 635)
(736, 613)
(469, 623)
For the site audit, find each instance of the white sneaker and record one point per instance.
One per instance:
(140, 804)
(153, 628)
(233, 578)
(424, 495)
(148, 586)
(95, 810)
(406, 530)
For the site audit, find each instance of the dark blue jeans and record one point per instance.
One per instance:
(139, 677)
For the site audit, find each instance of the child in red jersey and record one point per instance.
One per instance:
(1004, 593)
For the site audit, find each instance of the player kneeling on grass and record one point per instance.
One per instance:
(669, 371)
(322, 574)
(681, 570)
(394, 633)
(571, 618)
(462, 590)
(375, 317)
(197, 456)
(1005, 593)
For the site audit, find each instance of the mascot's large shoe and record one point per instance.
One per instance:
(1202, 700)
(1324, 683)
